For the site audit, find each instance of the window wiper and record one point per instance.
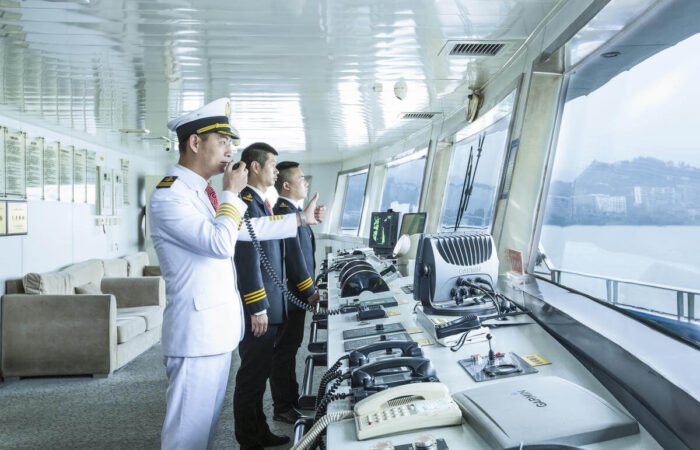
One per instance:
(469, 178)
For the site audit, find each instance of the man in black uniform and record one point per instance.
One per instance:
(265, 308)
(300, 267)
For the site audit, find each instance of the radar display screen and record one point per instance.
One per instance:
(413, 223)
(383, 230)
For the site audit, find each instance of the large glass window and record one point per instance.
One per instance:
(354, 199)
(477, 160)
(622, 215)
(402, 184)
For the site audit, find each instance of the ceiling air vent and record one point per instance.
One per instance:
(419, 115)
(473, 48)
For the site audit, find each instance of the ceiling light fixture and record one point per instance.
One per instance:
(134, 131)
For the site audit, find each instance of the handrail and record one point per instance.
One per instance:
(612, 290)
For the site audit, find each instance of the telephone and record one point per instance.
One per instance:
(386, 373)
(406, 408)
(360, 357)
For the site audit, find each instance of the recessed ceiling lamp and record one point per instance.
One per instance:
(134, 131)
(610, 54)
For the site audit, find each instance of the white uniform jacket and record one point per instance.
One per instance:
(203, 314)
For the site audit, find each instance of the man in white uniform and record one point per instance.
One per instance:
(203, 318)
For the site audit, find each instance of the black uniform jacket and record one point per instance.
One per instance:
(299, 256)
(258, 290)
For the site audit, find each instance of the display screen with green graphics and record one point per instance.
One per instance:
(384, 227)
(413, 223)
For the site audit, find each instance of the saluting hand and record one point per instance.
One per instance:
(235, 180)
(259, 324)
(310, 211)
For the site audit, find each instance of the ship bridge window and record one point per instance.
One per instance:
(475, 170)
(353, 202)
(402, 183)
(622, 215)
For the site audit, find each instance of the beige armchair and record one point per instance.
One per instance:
(49, 329)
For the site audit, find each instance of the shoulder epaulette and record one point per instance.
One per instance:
(166, 182)
(248, 197)
(283, 205)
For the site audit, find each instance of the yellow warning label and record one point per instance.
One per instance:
(393, 312)
(536, 360)
(422, 342)
(414, 330)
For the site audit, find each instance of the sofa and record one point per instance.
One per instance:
(90, 318)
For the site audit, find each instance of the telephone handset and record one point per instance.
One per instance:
(391, 372)
(360, 356)
(406, 408)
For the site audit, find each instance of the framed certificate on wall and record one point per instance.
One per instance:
(17, 218)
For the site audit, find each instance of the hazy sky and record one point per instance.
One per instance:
(650, 110)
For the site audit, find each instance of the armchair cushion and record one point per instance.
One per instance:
(153, 315)
(86, 272)
(88, 288)
(116, 268)
(129, 327)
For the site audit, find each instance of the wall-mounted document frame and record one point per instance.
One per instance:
(35, 168)
(118, 182)
(3, 218)
(15, 181)
(17, 217)
(125, 181)
(51, 170)
(104, 205)
(91, 176)
(2, 162)
(65, 173)
(79, 195)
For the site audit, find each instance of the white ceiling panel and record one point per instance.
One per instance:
(313, 76)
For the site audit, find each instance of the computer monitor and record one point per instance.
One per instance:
(413, 223)
(383, 231)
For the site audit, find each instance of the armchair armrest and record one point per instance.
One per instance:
(136, 291)
(58, 334)
(152, 271)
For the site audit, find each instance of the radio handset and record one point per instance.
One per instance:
(406, 408)
(271, 272)
(365, 377)
(360, 356)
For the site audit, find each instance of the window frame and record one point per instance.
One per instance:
(405, 159)
(348, 173)
(515, 91)
(536, 236)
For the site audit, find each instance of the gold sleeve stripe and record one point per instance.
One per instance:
(228, 208)
(236, 219)
(255, 297)
(305, 284)
(276, 217)
(248, 302)
(253, 293)
(232, 214)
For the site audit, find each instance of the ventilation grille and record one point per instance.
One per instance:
(478, 48)
(419, 115)
(465, 250)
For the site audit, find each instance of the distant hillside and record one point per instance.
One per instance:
(643, 191)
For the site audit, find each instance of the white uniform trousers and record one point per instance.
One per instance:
(195, 395)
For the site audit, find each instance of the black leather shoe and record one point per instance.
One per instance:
(289, 416)
(273, 440)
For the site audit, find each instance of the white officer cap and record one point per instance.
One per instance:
(214, 117)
